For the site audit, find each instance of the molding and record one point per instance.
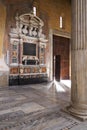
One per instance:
(61, 33)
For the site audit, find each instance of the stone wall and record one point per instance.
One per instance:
(49, 11)
(4, 71)
(54, 9)
(2, 26)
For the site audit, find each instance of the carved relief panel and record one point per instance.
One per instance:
(14, 49)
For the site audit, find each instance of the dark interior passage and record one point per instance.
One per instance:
(57, 67)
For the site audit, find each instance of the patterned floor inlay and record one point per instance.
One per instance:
(41, 120)
(35, 107)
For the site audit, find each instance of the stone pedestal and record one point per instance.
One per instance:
(4, 73)
(78, 105)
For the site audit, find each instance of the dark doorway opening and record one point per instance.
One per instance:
(57, 67)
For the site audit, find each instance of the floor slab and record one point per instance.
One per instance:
(37, 107)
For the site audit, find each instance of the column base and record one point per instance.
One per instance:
(4, 79)
(79, 114)
(4, 73)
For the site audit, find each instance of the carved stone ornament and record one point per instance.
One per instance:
(27, 48)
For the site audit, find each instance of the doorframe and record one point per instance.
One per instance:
(62, 34)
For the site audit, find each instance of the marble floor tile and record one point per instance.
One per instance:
(37, 107)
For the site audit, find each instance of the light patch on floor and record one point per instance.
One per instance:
(59, 88)
(56, 86)
(67, 83)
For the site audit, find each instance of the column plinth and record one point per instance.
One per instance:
(78, 111)
(4, 73)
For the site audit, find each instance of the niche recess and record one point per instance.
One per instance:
(27, 51)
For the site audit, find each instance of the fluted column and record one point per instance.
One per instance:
(78, 105)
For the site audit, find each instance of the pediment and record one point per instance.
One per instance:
(31, 19)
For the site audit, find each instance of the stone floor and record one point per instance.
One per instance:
(37, 107)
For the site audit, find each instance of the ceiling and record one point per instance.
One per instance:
(16, 1)
(20, 1)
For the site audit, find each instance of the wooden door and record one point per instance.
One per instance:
(61, 54)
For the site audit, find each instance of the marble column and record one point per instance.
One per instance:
(78, 105)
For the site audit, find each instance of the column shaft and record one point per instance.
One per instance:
(79, 59)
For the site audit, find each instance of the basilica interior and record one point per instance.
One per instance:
(43, 61)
